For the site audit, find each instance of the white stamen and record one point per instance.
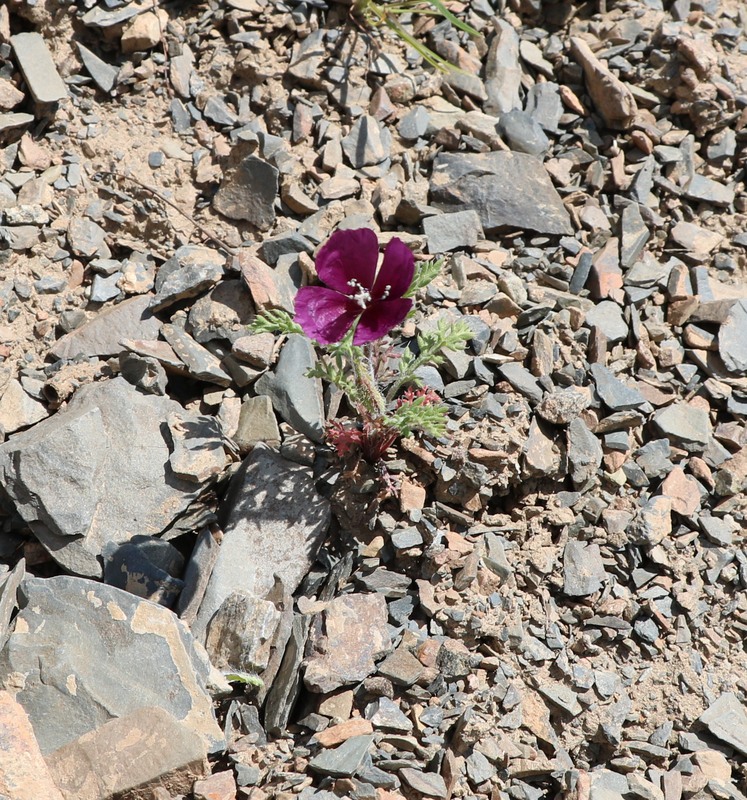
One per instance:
(385, 294)
(362, 296)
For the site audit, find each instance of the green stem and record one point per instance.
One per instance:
(363, 369)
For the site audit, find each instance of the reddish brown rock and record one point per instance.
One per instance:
(23, 773)
(220, 786)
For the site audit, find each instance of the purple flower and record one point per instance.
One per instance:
(354, 290)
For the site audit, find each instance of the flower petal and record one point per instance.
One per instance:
(324, 314)
(348, 255)
(396, 270)
(379, 318)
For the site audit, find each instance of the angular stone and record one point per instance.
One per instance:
(23, 773)
(563, 405)
(401, 667)
(296, 397)
(430, 784)
(508, 190)
(732, 339)
(612, 98)
(103, 334)
(103, 74)
(94, 473)
(683, 492)
(18, 409)
(522, 133)
(349, 634)
(239, 635)
(225, 312)
(584, 452)
(35, 62)
(615, 394)
(503, 71)
(386, 714)
(257, 423)
(192, 270)
(127, 654)
(126, 757)
(522, 380)
(583, 569)
(200, 362)
(608, 317)
(445, 232)
(368, 143)
(218, 786)
(343, 761)
(685, 425)
(199, 454)
(696, 240)
(726, 719)
(248, 192)
(653, 522)
(274, 524)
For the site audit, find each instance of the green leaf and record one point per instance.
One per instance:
(273, 320)
(452, 19)
(425, 272)
(244, 677)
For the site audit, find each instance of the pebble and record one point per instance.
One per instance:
(248, 192)
(446, 232)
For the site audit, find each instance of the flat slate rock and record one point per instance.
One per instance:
(96, 473)
(127, 754)
(102, 335)
(126, 654)
(732, 339)
(38, 68)
(273, 522)
(508, 190)
(726, 719)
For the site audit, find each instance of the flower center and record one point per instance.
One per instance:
(361, 295)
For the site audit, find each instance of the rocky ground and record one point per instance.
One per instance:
(554, 606)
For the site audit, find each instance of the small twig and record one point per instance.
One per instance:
(200, 227)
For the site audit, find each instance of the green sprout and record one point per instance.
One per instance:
(382, 13)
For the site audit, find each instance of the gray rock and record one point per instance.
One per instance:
(274, 524)
(494, 556)
(584, 452)
(684, 424)
(200, 362)
(146, 567)
(368, 143)
(87, 238)
(105, 287)
(103, 74)
(446, 232)
(126, 757)
(197, 575)
(726, 719)
(10, 121)
(297, 398)
(387, 715)
(307, 59)
(346, 638)
(583, 569)
(545, 106)
(143, 372)
(479, 769)
(503, 71)
(343, 761)
(9, 584)
(102, 335)
(634, 235)
(18, 409)
(192, 270)
(431, 784)
(257, 423)
(732, 339)
(225, 312)
(608, 316)
(653, 522)
(240, 633)
(111, 479)
(508, 190)
(414, 124)
(563, 405)
(199, 454)
(562, 696)
(287, 683)
(522, 380)
(127, 654)
(709, 191)
(615, 394)
(522, 133)
(248, 192)
(217, 110)
(39, 70)
(401, 667)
